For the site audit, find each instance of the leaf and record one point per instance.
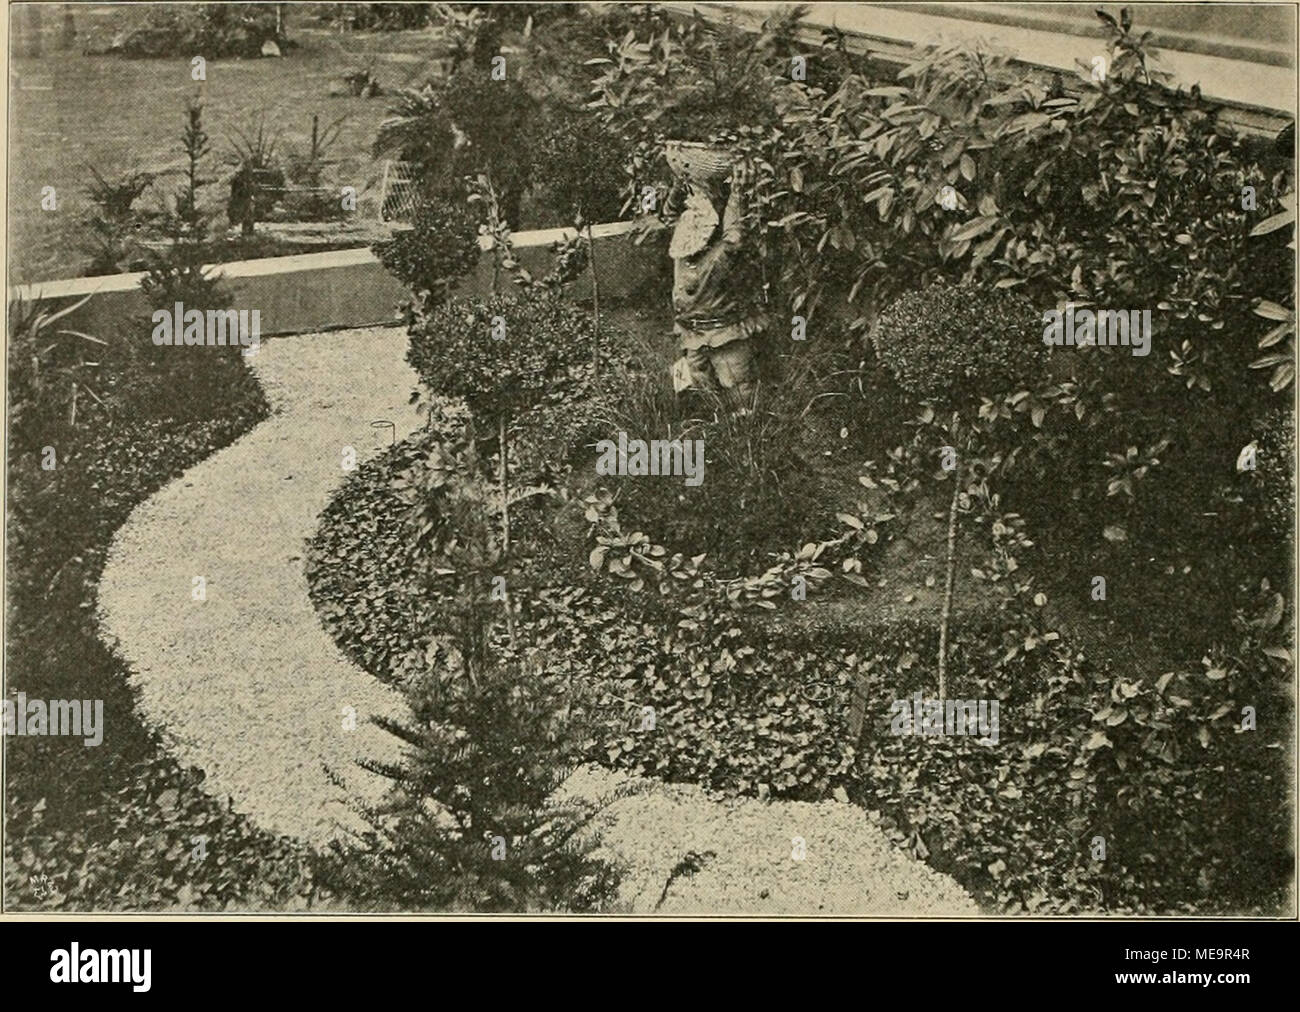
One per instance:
(850, 519)
(1272, 224)
(1274, 614)
(77, 333)
(1097, 740)
(973, 228)
(45, 320)
(1115, 532)
(1029, 121)
(1275, 335)
(967, 165)
(1272, 311)
(1281, 653)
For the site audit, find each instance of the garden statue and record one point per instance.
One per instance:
(717, 288)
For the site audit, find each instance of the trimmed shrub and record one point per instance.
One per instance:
(441, 247)
(501, 353)
(953, 341)
(580, 169)
(214, 30)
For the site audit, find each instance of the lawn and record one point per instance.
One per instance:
(71, 111)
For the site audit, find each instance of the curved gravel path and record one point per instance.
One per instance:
(249, 687)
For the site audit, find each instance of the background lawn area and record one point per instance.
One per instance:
(69, 111)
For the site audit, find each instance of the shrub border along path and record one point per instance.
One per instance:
(248, 686)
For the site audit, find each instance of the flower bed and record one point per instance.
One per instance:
(742, 706)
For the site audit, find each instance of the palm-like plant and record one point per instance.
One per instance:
(258, 183)
(50, 370)
(115, 220)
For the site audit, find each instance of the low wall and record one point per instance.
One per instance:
(346, 288)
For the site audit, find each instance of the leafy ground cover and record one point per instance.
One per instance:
(117, 826)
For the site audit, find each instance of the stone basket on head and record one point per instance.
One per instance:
(697, 162)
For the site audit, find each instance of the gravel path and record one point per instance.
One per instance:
(248, 686)
(686, 854)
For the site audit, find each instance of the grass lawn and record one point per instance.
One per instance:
(69, 111)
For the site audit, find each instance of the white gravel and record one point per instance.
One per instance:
(247, 684)
(744, 855)
(249, 687)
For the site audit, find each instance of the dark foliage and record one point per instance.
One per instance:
(957, 341)
(112, 827)
(441, 246)
(500, 354)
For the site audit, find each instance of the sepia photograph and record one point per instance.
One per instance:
(651, 461)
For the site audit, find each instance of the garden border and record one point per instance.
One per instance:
(345, 289)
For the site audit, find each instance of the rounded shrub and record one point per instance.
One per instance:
(501, 354)
(952, 341)
(580, 169)
(441, 246)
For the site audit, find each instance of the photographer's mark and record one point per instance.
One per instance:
(657, 457)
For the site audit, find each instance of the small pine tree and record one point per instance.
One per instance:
(470, 822)
(176, 274)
